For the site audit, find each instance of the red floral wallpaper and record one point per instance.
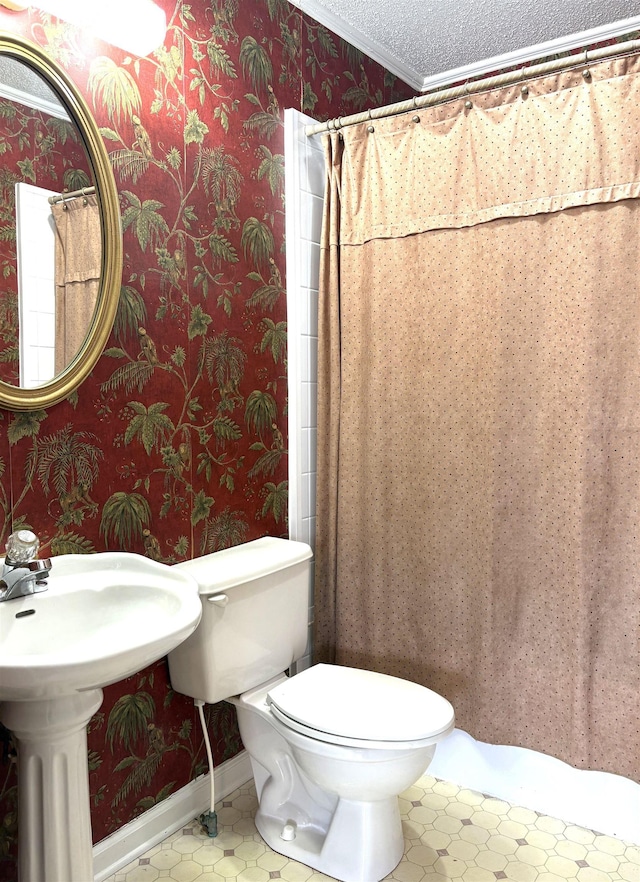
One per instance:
(176, 444)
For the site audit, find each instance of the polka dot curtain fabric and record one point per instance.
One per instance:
(479, 413)
(565, 141)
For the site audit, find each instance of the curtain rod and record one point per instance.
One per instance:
(467, 89)
(62, 197)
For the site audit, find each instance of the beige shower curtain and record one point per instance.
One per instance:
(78, 266)
(479, 410)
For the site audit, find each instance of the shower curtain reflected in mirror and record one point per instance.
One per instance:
(78, 267)
(479, 411)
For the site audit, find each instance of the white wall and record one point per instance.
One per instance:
(36, 285)
(304, 186)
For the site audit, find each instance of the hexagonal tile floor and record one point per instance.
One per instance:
(450, 833)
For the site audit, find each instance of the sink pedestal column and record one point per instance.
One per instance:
(54, 818)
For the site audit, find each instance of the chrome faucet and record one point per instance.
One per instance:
(21, 572)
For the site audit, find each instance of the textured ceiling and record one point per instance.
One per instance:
(419, 40)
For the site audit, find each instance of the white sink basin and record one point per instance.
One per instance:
(104, 617)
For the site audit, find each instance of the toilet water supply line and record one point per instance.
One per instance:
(208, 819)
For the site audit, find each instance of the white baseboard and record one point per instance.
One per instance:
(150, 828)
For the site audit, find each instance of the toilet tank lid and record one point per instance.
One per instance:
(222, 570)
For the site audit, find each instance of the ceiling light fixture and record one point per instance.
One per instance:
(137, 26)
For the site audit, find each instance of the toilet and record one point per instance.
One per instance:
(331, 747)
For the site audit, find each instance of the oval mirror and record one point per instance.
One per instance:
(60, 233)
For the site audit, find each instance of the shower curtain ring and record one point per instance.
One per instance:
(586, 73)
(468, 103)
(65, 207)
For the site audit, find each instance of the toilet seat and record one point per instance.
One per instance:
(356, 708)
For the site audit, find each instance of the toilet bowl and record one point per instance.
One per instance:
(391, 739)
(332, 747)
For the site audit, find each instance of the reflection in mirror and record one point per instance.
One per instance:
(59, 286)
(50, 248)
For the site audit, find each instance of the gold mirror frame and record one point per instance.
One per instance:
(64, 383)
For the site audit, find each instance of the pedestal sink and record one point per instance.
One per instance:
(104, 617)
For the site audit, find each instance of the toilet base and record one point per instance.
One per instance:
(329, 806)
(334, 851)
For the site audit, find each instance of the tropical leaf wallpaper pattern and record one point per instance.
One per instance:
(176, 444)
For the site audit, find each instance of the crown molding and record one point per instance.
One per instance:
(28, 99)
(530, 53)
(315, 10)
(426, 83)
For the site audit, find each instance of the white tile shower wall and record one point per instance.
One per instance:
(304, 187)
(36, 284)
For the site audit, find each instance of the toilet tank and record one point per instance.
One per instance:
(255, 608)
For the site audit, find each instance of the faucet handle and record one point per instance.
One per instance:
(22, 547)
(39, 566)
